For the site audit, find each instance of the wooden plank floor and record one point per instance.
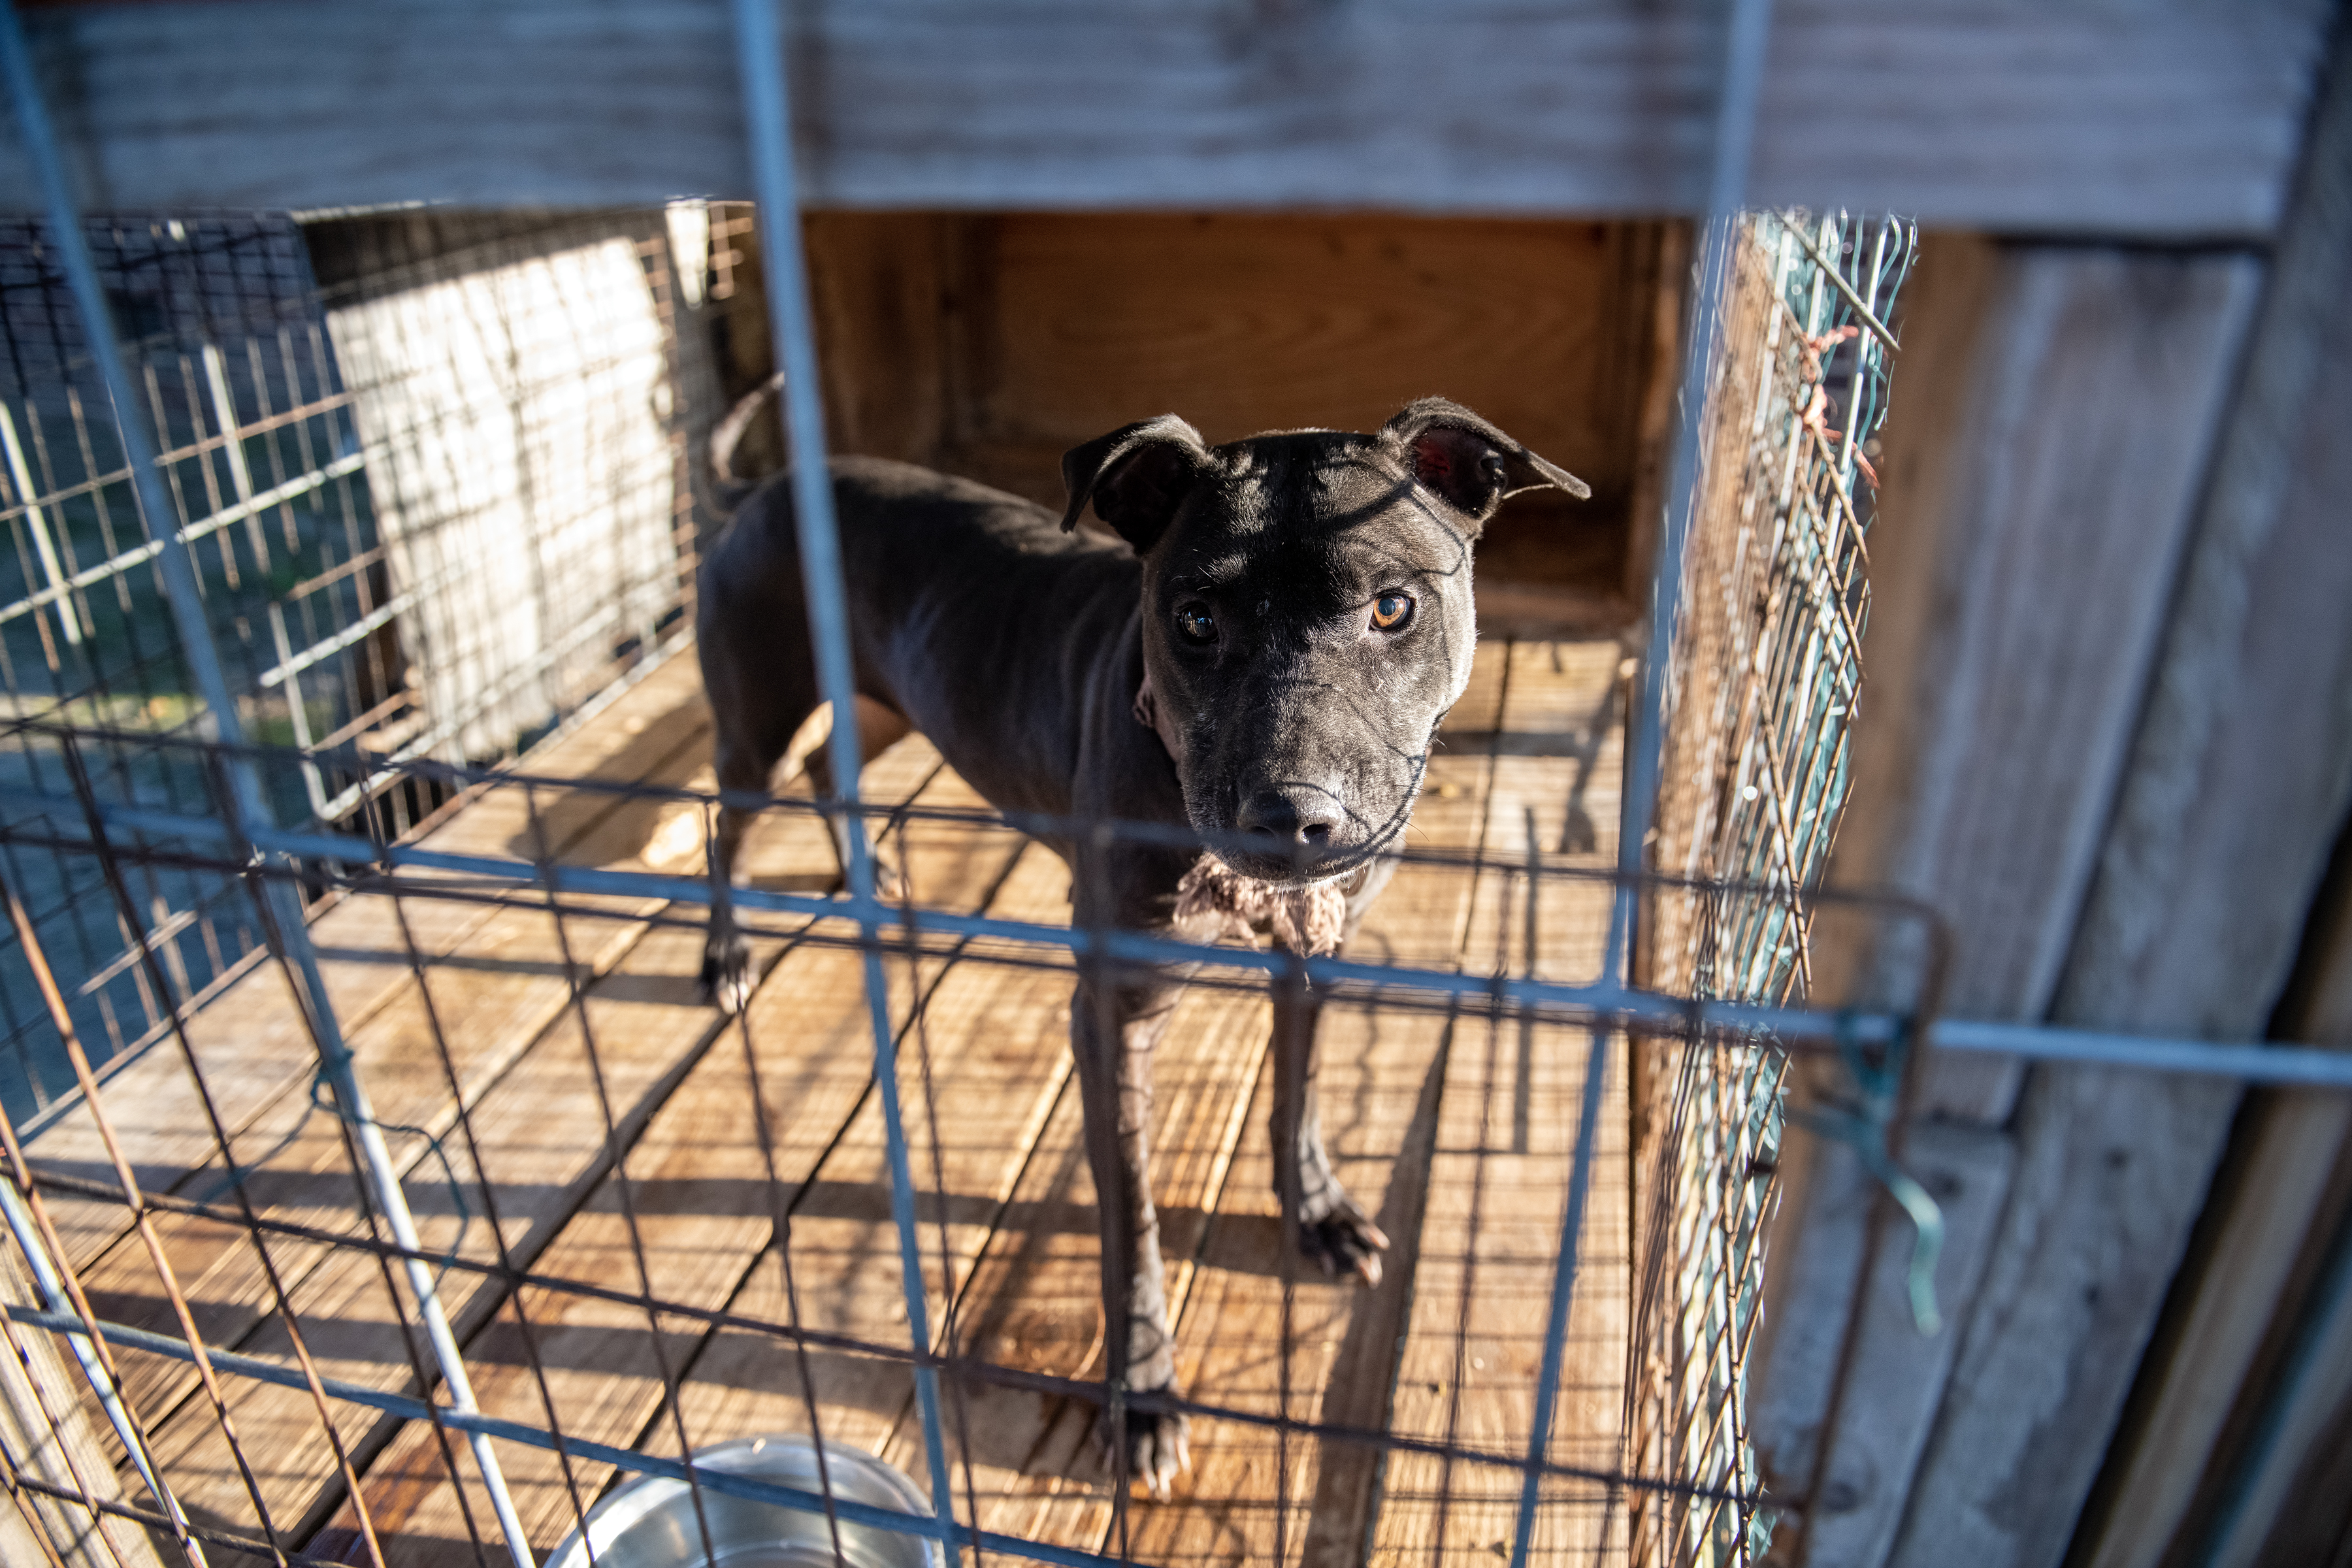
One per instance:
(628, 1137)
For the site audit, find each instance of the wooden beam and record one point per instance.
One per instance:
(2238, 783)
(2270, 1226)
(2044, 451)
(49, 1432)
(2172, 119)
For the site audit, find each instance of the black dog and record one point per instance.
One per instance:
(1269, 664)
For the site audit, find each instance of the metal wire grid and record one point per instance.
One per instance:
(338, 633)
(92, 808)
(408, 881)
(1697, 1504)
(1760, 693)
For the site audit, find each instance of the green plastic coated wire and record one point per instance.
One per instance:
(1862, 1127)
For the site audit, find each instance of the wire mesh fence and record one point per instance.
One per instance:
(437, 500)
(380, 1190)
(394, 1195)
(653, 1231)
(1761, 691)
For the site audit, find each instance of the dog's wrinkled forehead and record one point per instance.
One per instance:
(1322, 516)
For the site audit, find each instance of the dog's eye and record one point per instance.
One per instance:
(1196, 624)
(1392, 611)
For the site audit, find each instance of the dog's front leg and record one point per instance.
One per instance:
(1334, 1233)
(1114, 1028)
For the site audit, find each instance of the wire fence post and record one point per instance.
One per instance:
(246, 811)
(760, 46)
(1748, 32)
(1751, 24)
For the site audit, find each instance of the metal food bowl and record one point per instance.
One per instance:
(650, 1522)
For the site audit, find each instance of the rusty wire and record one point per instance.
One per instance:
(1760, 699)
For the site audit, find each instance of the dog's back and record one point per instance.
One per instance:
(965, 602)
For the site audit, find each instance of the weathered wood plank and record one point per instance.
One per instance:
(2193, 1448)
(1378, 1066)
(1469, 1372)
(2170, 120)
(2031, 578)
(1498, 1183)
(250, 1042)
(1033, 1297)
(2239, 779)
(293, 1163)
(705, 1210)
(542, 1135)
(1900, 1375)
(49, 1426)
(2022, 580)
(1548, 719)
(1077, 322)
(2283, 459)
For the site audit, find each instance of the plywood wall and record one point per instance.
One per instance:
(989, 345)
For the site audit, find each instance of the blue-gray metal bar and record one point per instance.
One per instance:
(1563, 1294)
(760, 47)
(2284, 1064)
(1748, 30)
(475, 1424)
(247, 810)
(51, 1288)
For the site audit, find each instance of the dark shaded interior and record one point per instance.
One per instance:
(988, 344)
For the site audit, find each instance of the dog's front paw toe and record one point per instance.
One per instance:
(727, 975)
(1159, 1448)
(1345, 1242)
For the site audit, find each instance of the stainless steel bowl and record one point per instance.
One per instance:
(650, 1524)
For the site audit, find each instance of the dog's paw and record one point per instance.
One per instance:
(727, 974)
(1344, 1241)
(1159, 1448)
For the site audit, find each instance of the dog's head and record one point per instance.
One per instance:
(1306, 614)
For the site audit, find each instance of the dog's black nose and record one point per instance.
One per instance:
(1292, 816)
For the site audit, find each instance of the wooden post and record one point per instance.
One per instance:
(50, 1436)
(2051, 414)
(2249, 723)
(1988, 113)
(2111, 743)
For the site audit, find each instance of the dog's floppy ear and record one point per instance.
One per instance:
(1136, 476)
(1467, 461)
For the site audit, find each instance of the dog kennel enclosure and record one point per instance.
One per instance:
(379, 1193)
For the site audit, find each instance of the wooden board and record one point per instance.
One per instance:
(2177, 119)
(1039, 1286)
(542, 1135)
(1469, 1372)
(1498, 1179)
(250, 1043)
(2022, 584)
(1018, 1255)
(293, 1163)
(989, 345)
(704, 1209)
(2232, 801)
(1076, 323)
(2276, 781)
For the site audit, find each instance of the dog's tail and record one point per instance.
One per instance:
(726, 488)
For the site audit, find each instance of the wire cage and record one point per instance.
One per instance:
(437, 505)
(381, 1191)
(1761, 690)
